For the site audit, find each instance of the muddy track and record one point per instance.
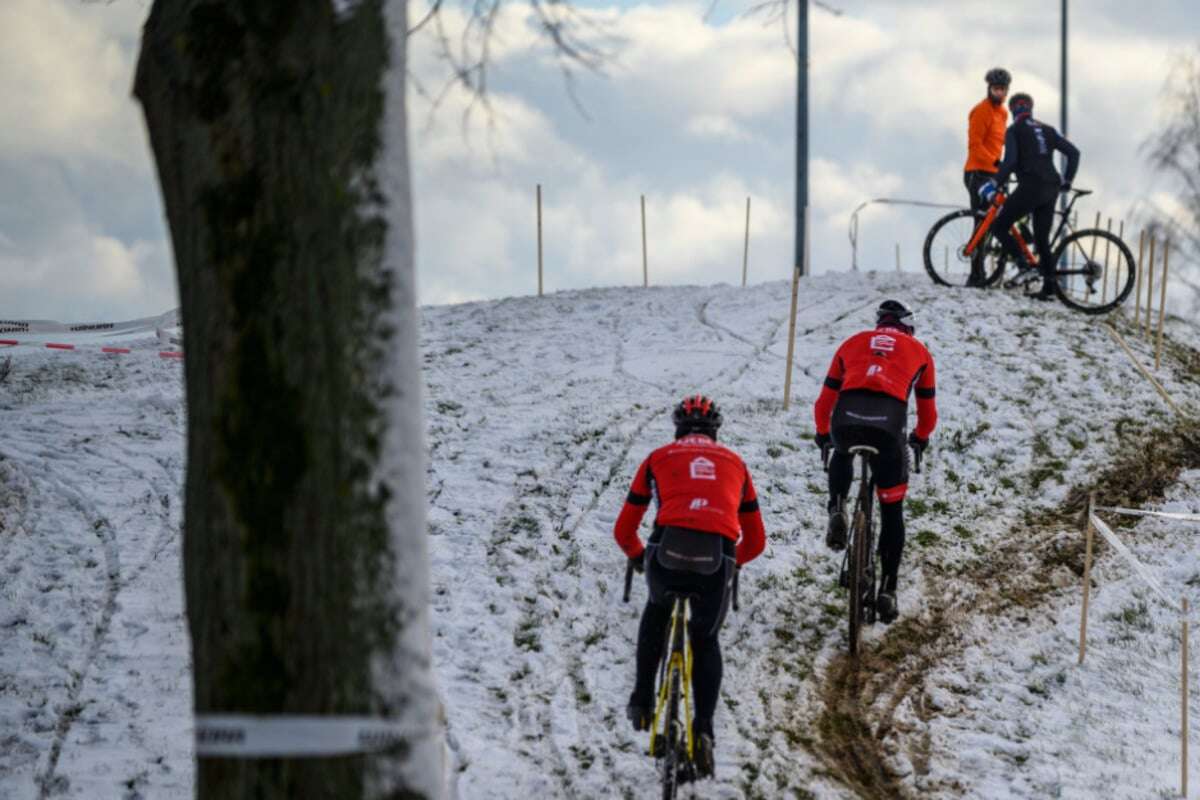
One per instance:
(860, 697)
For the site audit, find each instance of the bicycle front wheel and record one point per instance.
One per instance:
(946, 260)
(1096, 271)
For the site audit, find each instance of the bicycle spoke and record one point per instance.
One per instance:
(1099, 272)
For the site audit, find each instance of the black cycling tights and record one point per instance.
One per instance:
(1039, 202)
(706, 664)
(891, 515)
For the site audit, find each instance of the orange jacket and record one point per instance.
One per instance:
(986, 125)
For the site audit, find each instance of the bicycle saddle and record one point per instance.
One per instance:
(862, 448)
(1081, 192)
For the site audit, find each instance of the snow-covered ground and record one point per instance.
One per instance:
(538, 412)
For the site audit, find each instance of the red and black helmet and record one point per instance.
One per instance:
(697, 413)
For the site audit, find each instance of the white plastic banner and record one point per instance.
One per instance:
(1133, 512)
(21, 326)
(295, 736)
(1138, 567)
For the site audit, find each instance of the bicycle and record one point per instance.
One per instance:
(979, 260)
(672, 739)
(857, 574)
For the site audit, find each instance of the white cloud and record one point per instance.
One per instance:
(92, 275)
(66, 78)
(716, 126)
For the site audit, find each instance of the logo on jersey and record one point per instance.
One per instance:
(874, 369)
(698, 503)
(702, 469)
(883, 342)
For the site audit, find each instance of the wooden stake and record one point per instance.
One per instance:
(746, 247)
(897, 256)
(1162, 305)
(1087, 580)
(645, 267)
(1145, 372)
(1183, 688)
(946, 265)
(787, 380)
(1137, 292)
(1120, 261)
(1147, 324)
(1092, 258)
(1104, 275)
(539, 226)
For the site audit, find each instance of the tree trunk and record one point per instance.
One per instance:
(279, 133)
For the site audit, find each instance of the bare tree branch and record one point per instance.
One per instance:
(1175, 152)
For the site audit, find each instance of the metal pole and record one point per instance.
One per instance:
(801, 132)
(1062, 71)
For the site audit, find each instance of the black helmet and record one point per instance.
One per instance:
(1020, 103)
(895, 314)
(696, 414)
(998, 76)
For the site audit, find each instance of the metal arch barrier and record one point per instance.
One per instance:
(887, 201)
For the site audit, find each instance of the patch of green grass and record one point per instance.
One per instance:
(925, 538)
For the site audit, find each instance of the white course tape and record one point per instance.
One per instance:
(1133, 512)
(1138, 567)
(296, 736)
(168, 320)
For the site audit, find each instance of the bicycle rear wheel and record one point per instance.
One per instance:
(945, 260)
(1096, 271)
(859, 553)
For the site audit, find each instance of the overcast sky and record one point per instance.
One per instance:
(695, 114)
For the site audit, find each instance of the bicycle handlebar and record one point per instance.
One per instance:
(918, 454)
(628, 581)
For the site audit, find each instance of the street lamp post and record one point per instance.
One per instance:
(801, 131)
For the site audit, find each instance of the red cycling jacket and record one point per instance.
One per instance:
(699, 484)
(885, 360)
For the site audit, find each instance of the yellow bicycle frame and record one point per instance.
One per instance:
(679, 663)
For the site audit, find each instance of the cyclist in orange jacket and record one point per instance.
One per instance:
(707, 525)
(865, 402)
(986, 125)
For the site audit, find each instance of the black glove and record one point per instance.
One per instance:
(822, 441)
(1066, 187)
(917, 443)
(639, 563)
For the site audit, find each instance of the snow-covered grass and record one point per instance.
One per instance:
(538, 411)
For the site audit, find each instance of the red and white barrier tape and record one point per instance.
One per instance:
(106, 349)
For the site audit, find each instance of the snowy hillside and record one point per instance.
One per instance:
(538, 412)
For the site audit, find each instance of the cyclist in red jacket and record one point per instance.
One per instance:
(707, 525)
(865, 401)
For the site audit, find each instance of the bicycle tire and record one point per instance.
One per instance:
(1078, 240)
(946, 277)
(671, 727)
(857, 568)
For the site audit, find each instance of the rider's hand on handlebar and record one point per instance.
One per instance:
(639, 563)
(822, 440)
(917, 443)
(1066, 187)
(988, 191)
